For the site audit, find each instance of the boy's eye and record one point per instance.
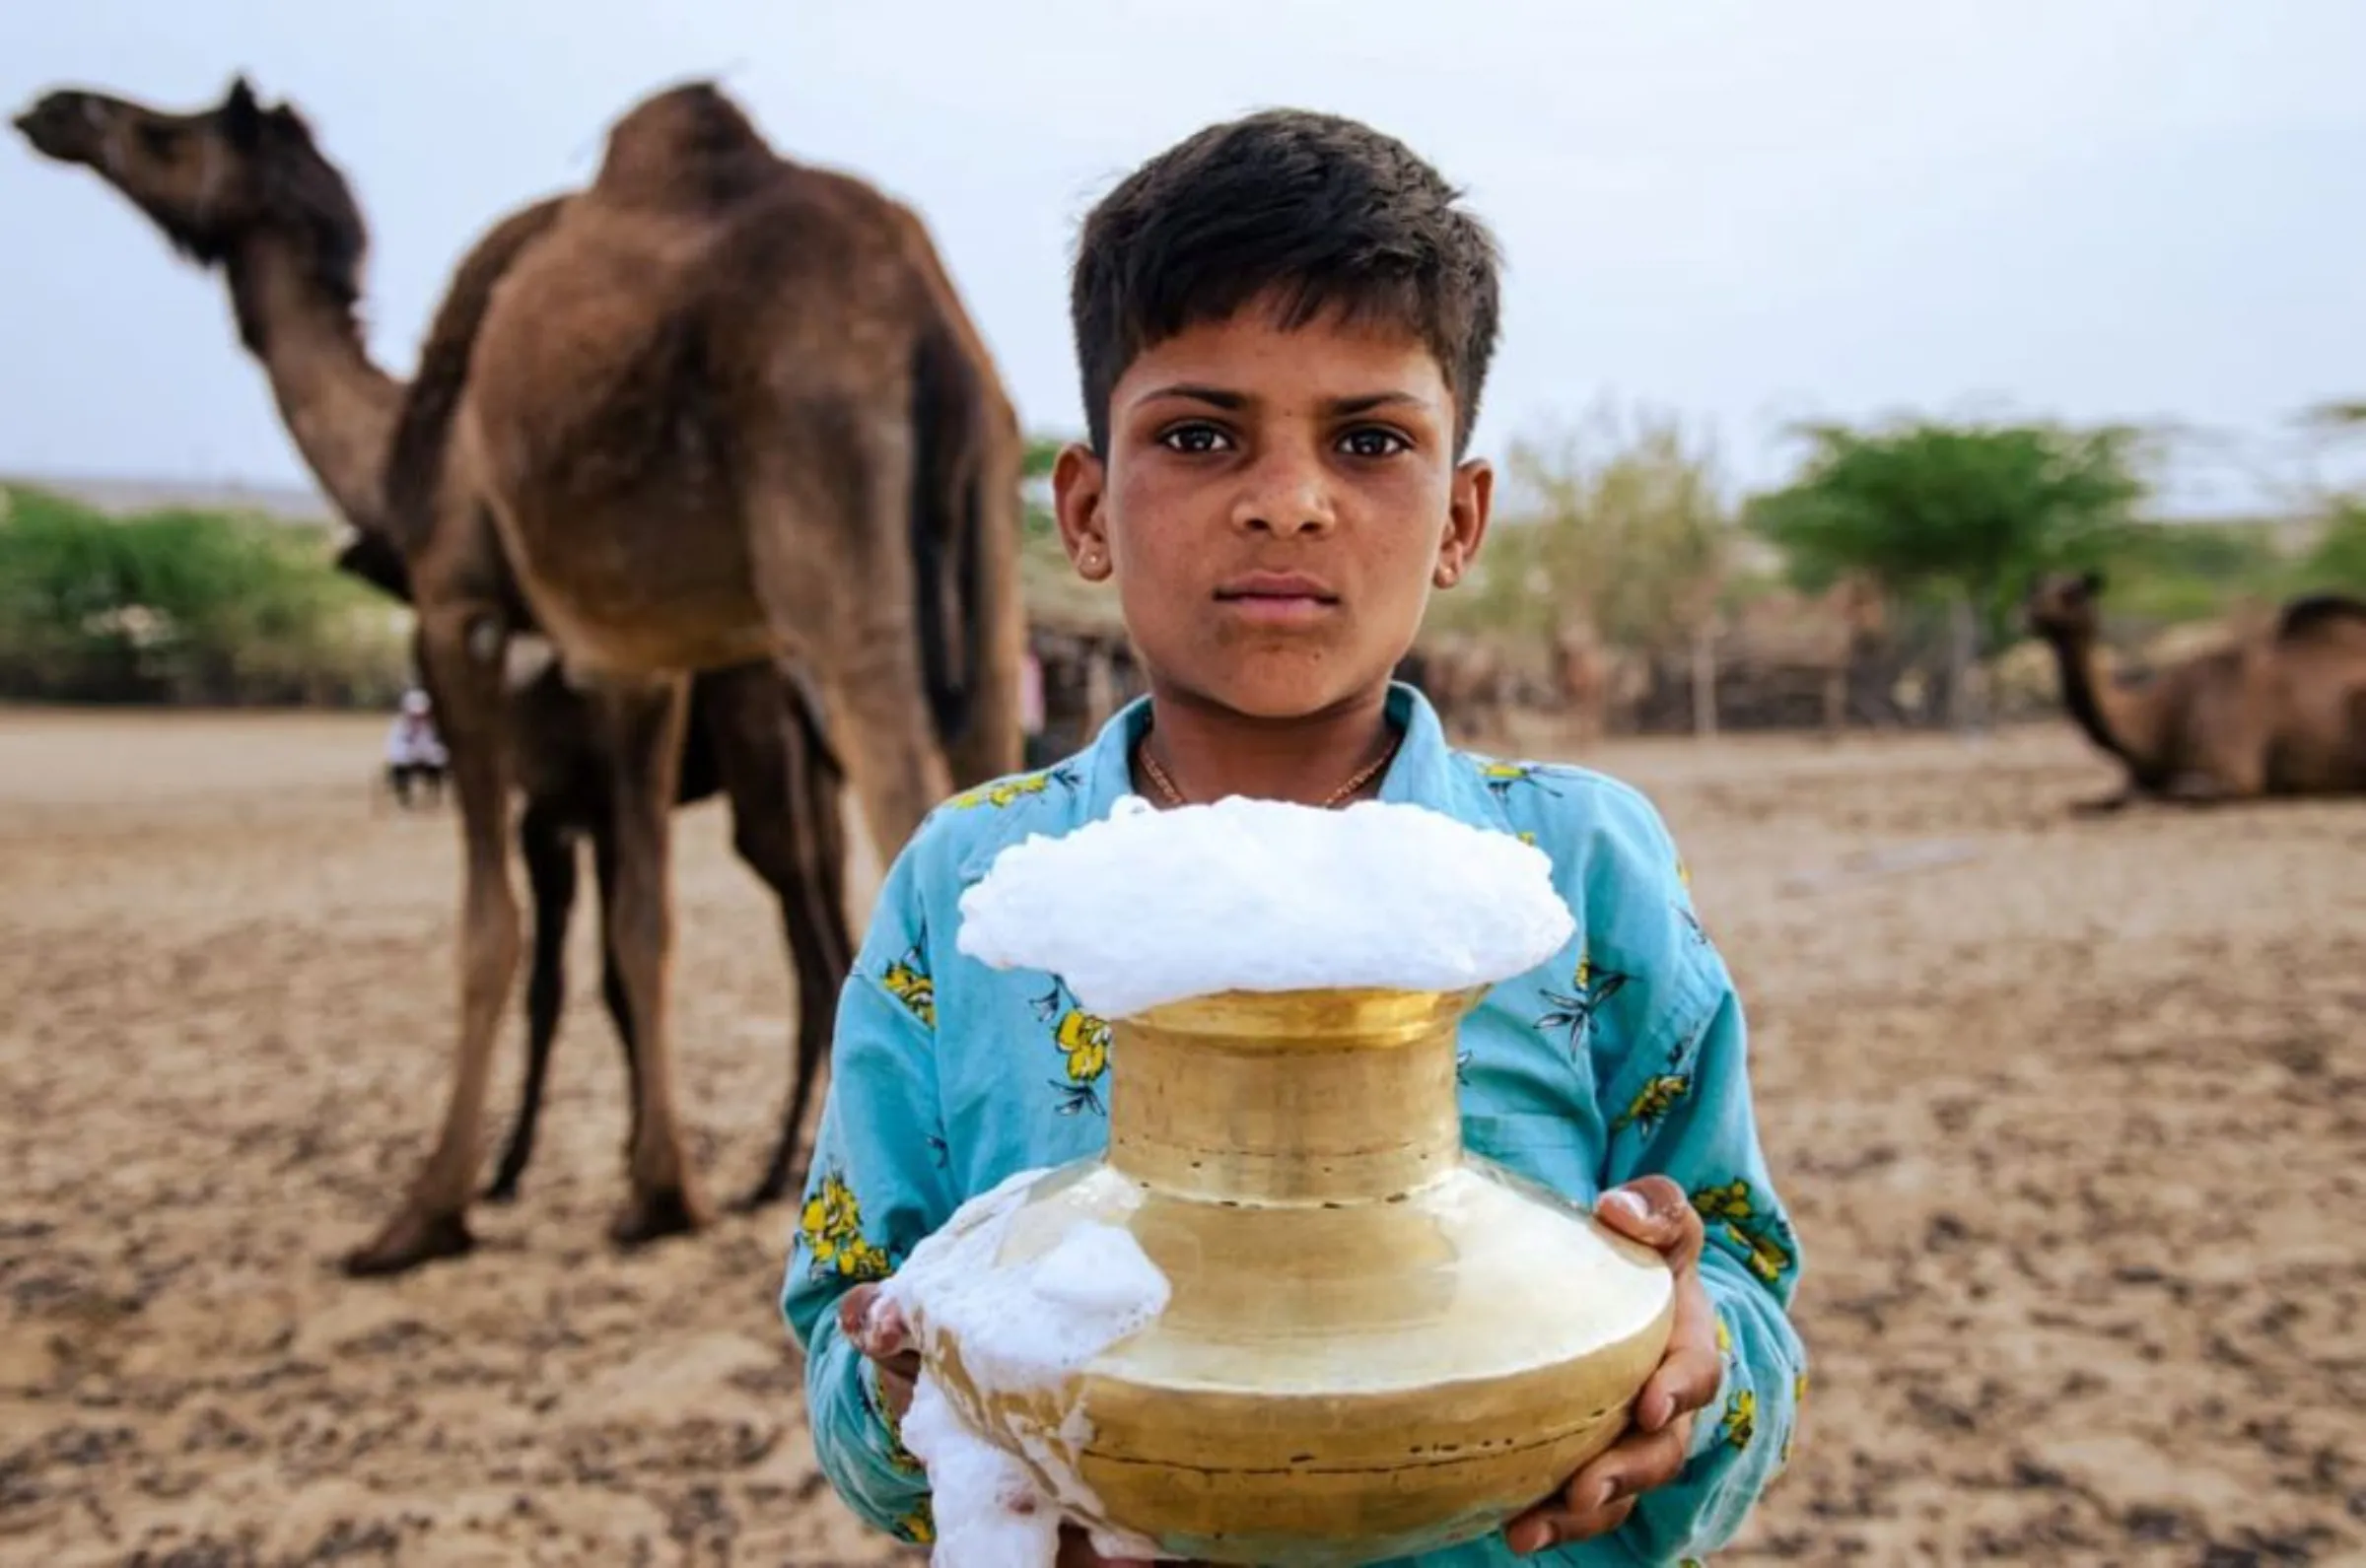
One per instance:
(1193, 440)
(1373, 442)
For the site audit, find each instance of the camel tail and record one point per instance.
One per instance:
(2315, 613)
(372, 557)
(415, 457)
(947, 548)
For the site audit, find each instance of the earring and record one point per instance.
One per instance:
(1445, 577)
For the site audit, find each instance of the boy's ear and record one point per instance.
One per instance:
(1468, 505)
(1080, 482)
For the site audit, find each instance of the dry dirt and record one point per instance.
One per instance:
(2071, 1127)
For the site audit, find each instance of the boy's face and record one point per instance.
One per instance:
(1275, 508)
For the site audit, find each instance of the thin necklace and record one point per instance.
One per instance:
(1165, 784)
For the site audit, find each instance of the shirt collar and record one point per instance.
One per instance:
(1416, 774)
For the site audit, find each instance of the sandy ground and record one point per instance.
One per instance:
(2072, 1130)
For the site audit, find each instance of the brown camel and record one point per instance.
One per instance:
(2281, 712)
(243, 186)
(281, 221)
(723, 408)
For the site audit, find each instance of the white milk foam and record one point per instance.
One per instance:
(1025, 1326)
(1146, 907)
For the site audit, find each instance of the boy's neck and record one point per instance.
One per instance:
(1209, 753)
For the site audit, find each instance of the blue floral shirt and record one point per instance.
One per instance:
(1622, 1056)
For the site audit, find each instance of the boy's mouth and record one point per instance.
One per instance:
(1277, 595)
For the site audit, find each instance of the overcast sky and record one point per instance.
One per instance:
(1749, 211)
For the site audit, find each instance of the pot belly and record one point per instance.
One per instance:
(1352, 1382)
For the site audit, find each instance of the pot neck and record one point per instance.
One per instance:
(1288, 1097)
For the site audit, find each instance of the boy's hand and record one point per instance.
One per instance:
(877, 1328)
(1654, 1210)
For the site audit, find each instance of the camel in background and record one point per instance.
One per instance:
(2279, 712)
(243, 188)
(1466, 682)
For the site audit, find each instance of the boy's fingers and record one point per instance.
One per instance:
(874, 1326)
(1690, 1371)
(1599, 1497)
(1654, 1210)
(1557, 1523)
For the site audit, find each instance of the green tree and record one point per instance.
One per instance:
(182, 606)
(1961, 513)
(1632, 536)
(2338, 558)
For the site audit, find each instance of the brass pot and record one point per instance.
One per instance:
(1375, 1343)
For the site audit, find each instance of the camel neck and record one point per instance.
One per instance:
(2090, 702)
(338, 406)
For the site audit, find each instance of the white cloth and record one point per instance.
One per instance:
(412, 741)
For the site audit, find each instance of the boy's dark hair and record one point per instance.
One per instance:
(1326, 211)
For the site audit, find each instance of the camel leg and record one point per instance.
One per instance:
(2205, 789)
(550, 876)
(463, 649)
(644, 726)
(2118, 800)
(611, 982)
(864, 645)
(785, 824)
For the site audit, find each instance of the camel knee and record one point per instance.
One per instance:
(494, 950)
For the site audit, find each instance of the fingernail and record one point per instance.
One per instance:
(1530, 1538)
(1628, 1201)
(1606, 1491)
(879, 1324)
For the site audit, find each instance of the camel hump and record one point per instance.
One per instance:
(2316, 614)
(415, 456)
(688, 146)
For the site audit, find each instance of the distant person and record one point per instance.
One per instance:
(414, 751)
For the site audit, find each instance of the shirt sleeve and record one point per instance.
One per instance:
(1681, 1108)
(875, 1189)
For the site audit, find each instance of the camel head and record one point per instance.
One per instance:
(214, 178)
(2065, 605)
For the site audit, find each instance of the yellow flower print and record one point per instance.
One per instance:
(1004, 792)
(1740, 1423)
(1730, 1202)
(907, 981)
(1589, 989)
(1083, 1041)
(1766, 1241)
(902, 1457)
(1001, 792)
(1086, 1039)
(1653, 1101)
(1502, 778)
(832, 1226)
(1725, 1336)
(919, 1527)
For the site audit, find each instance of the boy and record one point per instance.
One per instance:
(1282, 326)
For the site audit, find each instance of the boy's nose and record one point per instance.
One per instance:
(1284, 497)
